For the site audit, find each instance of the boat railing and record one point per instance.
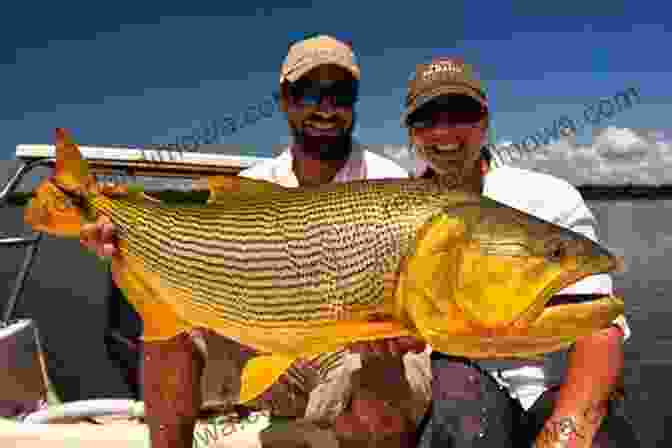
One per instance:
(113, 162)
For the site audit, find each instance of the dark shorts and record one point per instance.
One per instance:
(470, 409)
(126, 358)
(122, 337)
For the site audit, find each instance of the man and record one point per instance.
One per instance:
(319, 88)
(447, 120)
(375, 405)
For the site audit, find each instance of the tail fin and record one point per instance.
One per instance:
(51, 210)
(72, 171)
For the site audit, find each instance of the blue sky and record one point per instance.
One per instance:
(134, 73)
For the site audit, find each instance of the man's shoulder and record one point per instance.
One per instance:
(380, 167)
(532, 190)
(266, 168)
(514, 178)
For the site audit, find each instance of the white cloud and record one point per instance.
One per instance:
(616, 156)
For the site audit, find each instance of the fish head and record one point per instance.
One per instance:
(53, 211)
(482, 270)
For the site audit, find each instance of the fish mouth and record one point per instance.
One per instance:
(536, 309)
(562, 322)
(551, 323)
(552, 299)
(573, 299)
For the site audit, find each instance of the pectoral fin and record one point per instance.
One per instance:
(260, 373)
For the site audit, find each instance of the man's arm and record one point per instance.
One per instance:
(594, 365)
(172, 369)
(593, 371)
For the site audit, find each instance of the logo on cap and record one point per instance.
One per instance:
(448, 66)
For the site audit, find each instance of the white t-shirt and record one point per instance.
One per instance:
(361, 165)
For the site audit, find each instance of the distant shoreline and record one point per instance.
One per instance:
(616, 192)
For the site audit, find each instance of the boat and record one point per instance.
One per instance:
(31, 412)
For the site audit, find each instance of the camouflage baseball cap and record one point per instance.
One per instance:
(442, 76)
(310, 53)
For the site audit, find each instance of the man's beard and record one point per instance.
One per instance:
(325, 147)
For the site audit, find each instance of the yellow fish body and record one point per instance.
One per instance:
(300, 272)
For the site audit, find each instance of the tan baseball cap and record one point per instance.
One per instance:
(310, 53)
(442, 76)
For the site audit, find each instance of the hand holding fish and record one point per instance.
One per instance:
(99, 237)
(392, 346)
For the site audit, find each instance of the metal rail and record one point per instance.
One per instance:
(32, 241)
(147, 162)
(161, 168)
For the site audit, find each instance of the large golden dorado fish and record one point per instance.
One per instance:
(299, 272)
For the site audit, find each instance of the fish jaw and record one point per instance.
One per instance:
(555, 329)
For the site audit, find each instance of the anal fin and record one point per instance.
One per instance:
(260, 373)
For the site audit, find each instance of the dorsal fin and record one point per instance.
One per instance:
(71, 171)
(225, 187)
(135, 192)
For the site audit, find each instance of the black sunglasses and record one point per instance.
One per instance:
(463, 110)
(311, 92)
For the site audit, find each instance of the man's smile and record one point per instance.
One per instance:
(446, 152)
(322, 127)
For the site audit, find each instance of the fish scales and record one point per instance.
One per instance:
(278, 258)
